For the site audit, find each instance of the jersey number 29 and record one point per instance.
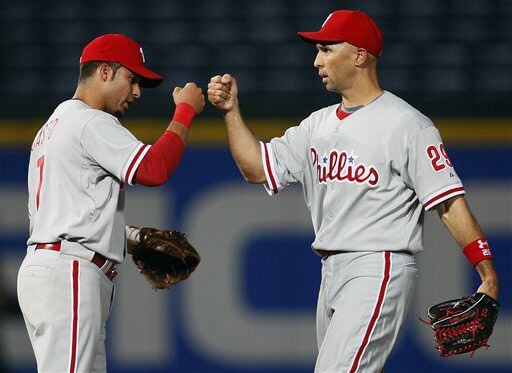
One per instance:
(435, 153)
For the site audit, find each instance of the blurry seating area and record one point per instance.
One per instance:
(433, 48)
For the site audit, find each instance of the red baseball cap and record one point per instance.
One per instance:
(351, 26)
(120, 48)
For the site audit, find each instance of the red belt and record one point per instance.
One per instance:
(97, 259)
(327, 253)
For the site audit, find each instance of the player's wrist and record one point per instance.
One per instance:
(232, 111)
(489, 287)
(184, 114)
(487, 272)
(477, 251)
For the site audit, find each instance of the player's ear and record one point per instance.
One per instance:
(361, 57)
(104, 71)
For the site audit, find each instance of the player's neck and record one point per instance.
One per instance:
(362, 89)
(89, 96)
(360, 97)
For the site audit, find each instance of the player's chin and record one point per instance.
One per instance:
(119, 113)
(330, 87)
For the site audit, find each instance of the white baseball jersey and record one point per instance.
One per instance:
(79, 162)
(367, 178)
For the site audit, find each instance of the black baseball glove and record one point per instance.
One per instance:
(463, 325)
(163, 257)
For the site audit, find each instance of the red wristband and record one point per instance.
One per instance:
(184, 114)
(477, 251)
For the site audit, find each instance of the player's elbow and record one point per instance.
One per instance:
(153, 180)
(153, 183)
(253, 177)
(161, 179)
(159, 182)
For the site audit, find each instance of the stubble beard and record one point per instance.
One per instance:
(118, 114)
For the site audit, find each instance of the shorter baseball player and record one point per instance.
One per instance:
(370, 166)
(81, 161)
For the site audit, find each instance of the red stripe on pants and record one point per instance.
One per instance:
(74, 332)
(376, 312)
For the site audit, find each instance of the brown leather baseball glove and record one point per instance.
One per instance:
(463, 325)
(163, 257)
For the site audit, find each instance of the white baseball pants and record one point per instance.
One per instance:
(65, 302)
(362, 304)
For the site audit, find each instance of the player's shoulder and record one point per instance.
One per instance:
(319, 116)
(403, 114)
(81, 114)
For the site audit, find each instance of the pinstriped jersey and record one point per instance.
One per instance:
(368, 178)
(80, 161)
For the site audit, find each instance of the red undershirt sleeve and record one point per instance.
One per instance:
(160, 161)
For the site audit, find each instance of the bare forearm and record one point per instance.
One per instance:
(245, 147)
(464, 229)
(459, 220)
(489, 278)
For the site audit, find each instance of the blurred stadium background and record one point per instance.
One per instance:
(250, 307)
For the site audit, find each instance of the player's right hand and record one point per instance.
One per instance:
(223, 92)
(190, 94)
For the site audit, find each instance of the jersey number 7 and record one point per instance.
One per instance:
(40, 165)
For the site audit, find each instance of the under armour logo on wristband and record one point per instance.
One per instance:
(477, 251)
(482, 244)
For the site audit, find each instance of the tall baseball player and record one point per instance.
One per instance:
(369, 168)
(81, 161)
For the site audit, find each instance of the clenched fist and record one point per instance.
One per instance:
(223, 92)
(190, 94)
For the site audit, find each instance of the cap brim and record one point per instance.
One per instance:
(318, 37)
(149, 78)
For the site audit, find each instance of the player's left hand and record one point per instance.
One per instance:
(463, 325)
(163, 257)
(190, 94)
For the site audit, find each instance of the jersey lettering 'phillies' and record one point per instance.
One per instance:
(340, 166)
(367, 178)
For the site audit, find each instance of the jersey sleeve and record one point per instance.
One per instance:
(284, 158)
(113, 147)
(428, 170)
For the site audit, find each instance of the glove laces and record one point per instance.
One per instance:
(446, 334)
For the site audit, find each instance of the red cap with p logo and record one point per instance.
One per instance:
(351, 26)
(122, 49)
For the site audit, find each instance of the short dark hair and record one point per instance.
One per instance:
(87, 69)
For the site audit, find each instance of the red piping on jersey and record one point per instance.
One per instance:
(376, 312)
(267, 162)
(341, 114)
(134, 160)
(430, 203)
(160, 161)
(74, 319)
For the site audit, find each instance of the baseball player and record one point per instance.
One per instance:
(81, 161)
(369, 167)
